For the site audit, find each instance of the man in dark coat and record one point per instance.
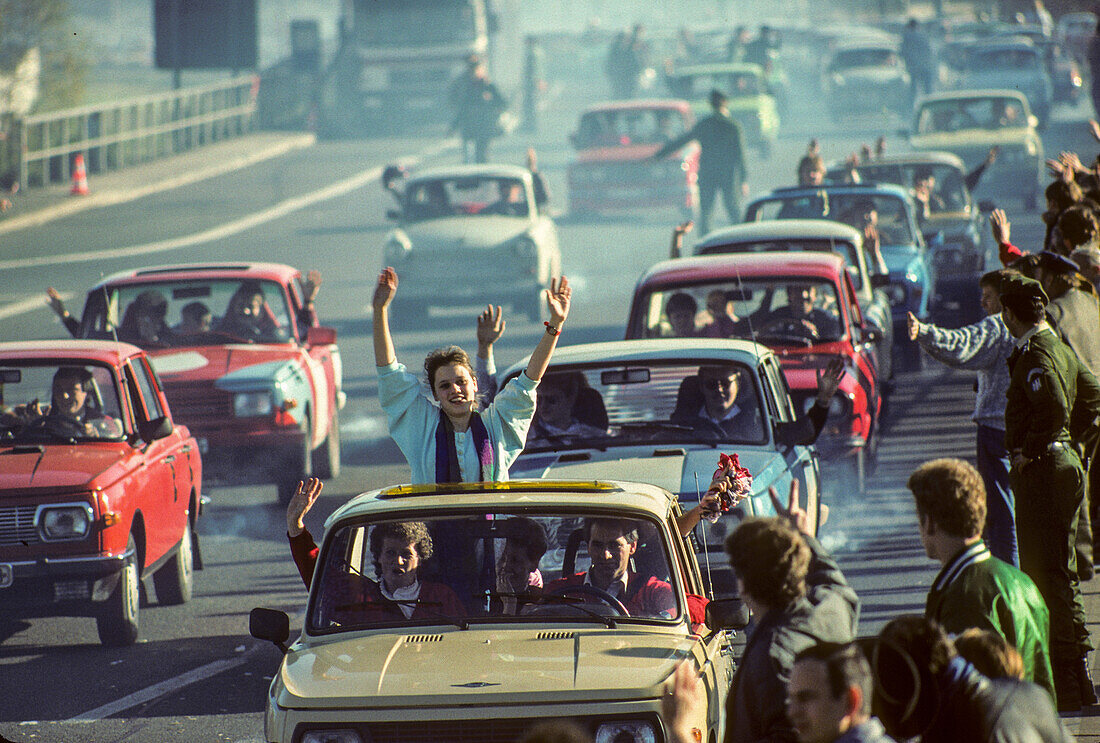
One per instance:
(798, 598)
(477, 119)
(721, 160)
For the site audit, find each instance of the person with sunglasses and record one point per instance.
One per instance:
(716, 402)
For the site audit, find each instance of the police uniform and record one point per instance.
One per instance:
(1049, 487)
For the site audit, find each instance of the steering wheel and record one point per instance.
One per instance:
(792, 328)
(594, 592)
(57, 425)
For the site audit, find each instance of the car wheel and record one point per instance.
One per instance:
(326, 458)
(117, 618)
(174, 580)
(297, 466)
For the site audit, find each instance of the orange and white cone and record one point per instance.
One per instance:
(80, 177)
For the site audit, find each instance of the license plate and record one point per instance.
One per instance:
(6, 575)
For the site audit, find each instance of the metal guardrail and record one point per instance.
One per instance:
(133, 131)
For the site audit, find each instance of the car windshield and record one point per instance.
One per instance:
(987, 60)
(733, 84)
(596, 406)
(843, 248)
(630, 126)
(970, 113)
(480, 195)
(948, 182)
(887, 211)
(195, 312)
(535, 566)
(48, 402)
(849, 58)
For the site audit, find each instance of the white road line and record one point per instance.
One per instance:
(163, 688)
(27, 305)
(109, 198)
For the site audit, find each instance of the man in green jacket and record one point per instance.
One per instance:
(974, 588)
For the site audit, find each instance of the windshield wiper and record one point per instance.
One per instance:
(461, 622)
(609, 622)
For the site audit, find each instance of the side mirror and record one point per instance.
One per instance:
(320, 336)
(986, 205)
(271, 625)
(726, 614)
(880, 280)
(158, 428)
(394, 214)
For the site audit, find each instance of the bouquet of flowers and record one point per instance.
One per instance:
(732, 483)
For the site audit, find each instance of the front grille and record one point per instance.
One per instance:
(196, 405)
(452, 731)
(417, 639)
(17, 526)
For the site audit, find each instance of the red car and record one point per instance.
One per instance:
(98, 487)
(243, 364)
(801, 305)
(614, 142)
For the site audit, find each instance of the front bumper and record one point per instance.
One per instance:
(69, 586)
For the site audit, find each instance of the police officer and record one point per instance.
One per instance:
(721, 160)
(1047, 478)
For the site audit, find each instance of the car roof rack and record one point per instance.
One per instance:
(538, 486)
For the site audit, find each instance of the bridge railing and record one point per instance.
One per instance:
(133, 131)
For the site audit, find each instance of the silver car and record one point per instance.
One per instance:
(1015, 64)
(465, 232)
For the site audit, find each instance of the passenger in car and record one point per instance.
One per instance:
(75, 404)
(510, 202)
(723, 322)
(716, 401)
(247, 316)
(195, 318)
(143, 322)
(611, 544)
(681, 311)
(802, 310)
(518, 576)
(566, 407)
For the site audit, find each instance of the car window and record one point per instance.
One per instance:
(52, 402)
(629, 126)
(535, 566)
(970, 113)
(949, 185)
(647, 402)
(777, 382)
(733, 84)
(465, 196)
(143, 378)
(844, 248)
(1003, 59)
(851, 208)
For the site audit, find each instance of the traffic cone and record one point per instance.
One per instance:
(80, 177)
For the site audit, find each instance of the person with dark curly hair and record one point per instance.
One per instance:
(798, 597)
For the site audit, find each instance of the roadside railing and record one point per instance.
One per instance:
(123, 134)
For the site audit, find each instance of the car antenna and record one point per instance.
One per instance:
(748, 319)
(703, 532)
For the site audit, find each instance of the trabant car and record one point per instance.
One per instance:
(969, 122)
(93, 499)
(803, 307)
(952, 227)
(461, 223)
(479, 663)
(613, 169)
(912, 280)
(751, 102)
(866, 77)
(257, 385)
(818, 235)
(1010, 63)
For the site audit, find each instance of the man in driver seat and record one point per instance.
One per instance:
(612, 543)
(802, 316)
(716, 401)
(73, 403)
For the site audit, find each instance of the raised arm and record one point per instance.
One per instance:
(676, 248)
(557, 298)
(384, 353)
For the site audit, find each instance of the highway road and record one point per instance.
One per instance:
(196, 675)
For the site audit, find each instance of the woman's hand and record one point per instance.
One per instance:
(53, 298)
(557, 299)
(311, 285)
(828, 381)
(1001, 227)
(386, 289)
(490, 327)
(300, 503)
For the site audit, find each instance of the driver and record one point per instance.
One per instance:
(510, 200)
(72, 403)
(195, 318)
(246, 316)
(924, 191)
(612, 543)
(801, 310)
(715, 400)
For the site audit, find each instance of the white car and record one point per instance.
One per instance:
(632, 418)
(466, 231)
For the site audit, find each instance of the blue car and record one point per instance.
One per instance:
(912, 279)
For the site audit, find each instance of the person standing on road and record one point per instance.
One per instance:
(974, 588)
(1047, 479)
(721, 160)
(984, 347)
(798, 598)
(479, 105)
(829, 696)
(916, 51)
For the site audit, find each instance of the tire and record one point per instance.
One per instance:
(175, 579)
(118, 618)
(297, 466)
(326, 458)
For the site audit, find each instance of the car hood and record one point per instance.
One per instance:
(481, 666)
(234, 365)
(465, 232)
(621, 153)
(63, 466)
(684, 470)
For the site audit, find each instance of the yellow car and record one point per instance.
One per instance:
(968, 122)
(473, 611)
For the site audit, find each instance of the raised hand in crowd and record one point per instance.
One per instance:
(684, 705)
(828, 380)
(300, 503)
(678, 232)
(1001, 227)
(793, 511)
(490, 327)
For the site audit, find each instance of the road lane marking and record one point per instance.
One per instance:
(27, 305)
(283, 208)
(163, 688)
(120, 196)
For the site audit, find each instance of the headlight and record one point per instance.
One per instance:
(247, 404)
(630, 731)
(395, 251)
(525, 247)
(331, 736)
(65, 521)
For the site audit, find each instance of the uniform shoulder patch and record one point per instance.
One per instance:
(1035, 379)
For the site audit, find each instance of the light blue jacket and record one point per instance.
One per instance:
(983, 347)
(413, 418)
